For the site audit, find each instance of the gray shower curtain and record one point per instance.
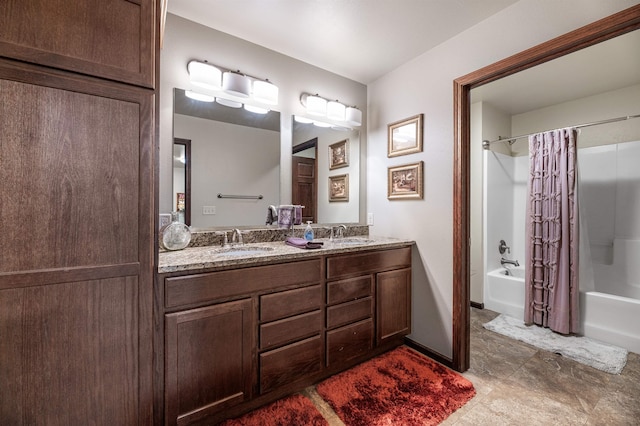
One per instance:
(551, 272)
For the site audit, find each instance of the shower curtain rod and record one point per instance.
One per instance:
(485, 143)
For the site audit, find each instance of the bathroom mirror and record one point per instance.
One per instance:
(313, 147)
(234, 162)
(233, 165)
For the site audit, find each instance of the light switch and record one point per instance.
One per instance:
(208, 209)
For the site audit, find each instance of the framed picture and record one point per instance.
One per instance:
(405, 182)
(338, 155)
(405, 136)
(339, 188)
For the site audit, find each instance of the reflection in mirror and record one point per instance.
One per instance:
(182, 179)
(313, 147)
(233, 153)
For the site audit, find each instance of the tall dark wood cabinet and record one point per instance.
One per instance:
(77, 154)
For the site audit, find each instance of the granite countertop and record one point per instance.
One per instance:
(216, 257)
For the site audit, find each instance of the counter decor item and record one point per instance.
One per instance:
(176, 235)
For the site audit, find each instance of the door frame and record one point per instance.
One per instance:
(187, 178)
(596, 32)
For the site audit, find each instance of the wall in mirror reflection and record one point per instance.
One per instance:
(332, 211)
(229, 159)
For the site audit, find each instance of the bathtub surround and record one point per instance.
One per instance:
(584, 350)
(552, 233)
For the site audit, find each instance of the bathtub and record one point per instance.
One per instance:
(605, 317)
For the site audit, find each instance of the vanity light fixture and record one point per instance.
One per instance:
(335, 111)
(241, 88)
(199, 96)
(236, 84)
(266, 92)
(204, 75)
(303, 120)
(318, 106)
(353, 116)
(255, 109)
(229, 103)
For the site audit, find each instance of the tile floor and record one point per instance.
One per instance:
(518, 384)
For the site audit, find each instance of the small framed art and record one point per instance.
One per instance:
(339, 155)
(405, 182)
(405, 136)
(339, 188)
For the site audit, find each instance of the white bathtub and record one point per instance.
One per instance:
(608, 318)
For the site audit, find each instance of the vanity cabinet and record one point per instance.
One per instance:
(77, 104)
(231, 340)
(208, 359)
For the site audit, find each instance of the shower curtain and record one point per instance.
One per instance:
(551, 273)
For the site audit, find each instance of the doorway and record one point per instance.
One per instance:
(304, 185)
(604, 29)
(181, 192)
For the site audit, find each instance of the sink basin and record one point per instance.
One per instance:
(241, 250)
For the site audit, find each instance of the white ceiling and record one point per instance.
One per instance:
(358, 39)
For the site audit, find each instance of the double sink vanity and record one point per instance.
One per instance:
(243, 325)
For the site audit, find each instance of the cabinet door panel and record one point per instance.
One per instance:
(70, 354)
(208, 360)
(105, 38)
(74, 178)
(393, 300)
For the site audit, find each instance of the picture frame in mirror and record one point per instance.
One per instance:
(405, 136)
(339, 188)
(405, 181)
(339, 154)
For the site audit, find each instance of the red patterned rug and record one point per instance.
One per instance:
(292, 410)
(400, 387)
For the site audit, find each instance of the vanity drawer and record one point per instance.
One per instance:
(290, 363)
(363, 263)
(288, 330)
(349, 312)
(351, 289)
(287, 303)
(349, 342)
(201, 288)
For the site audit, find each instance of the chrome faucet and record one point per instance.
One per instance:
(338, 231)
(236, 236)
(504, 261)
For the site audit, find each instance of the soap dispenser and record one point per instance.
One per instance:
(308, 232)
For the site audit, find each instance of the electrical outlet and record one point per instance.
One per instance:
(369, 218)
(208, 209)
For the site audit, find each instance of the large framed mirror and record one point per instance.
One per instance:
(600, 31)
(232, 166)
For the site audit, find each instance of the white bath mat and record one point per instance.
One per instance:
(584, 350)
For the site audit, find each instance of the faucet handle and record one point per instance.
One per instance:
(504, 247)
(225, 241)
